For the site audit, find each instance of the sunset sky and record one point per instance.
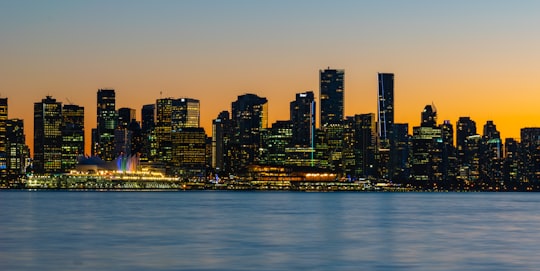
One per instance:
(469, 58)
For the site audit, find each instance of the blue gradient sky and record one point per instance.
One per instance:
(470, 58)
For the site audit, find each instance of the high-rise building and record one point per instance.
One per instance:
(249, 118)
(449, 151)
(360, 137)
(185, 113)
(125, 116)
(400, 167)
(16, 149)
(303, 112)
(107, 119)
(511, 165)
(148, 116)
(221, 136)
(530, 154)
(332, 88)
(48, 136)
(3, 136)
(465, 127)
(385, 109)
(429, 116)
(188, 152)
(163, 128)
(426, 163)
(275, 142)
(148, 151)
(490, 131)
(72, 135)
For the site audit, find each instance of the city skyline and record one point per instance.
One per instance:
(469, 59)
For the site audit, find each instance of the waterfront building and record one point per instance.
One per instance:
(275, 143)
(48, 136)
(3, 136)
(359, 141)
(147, 132)
(249, 118)
(511, 164)
(449, 163)
(107, 119)
(385, 109)
(427, 147)
(188, 152)
(530, 154)
(385, 124)
(72, 136)
(401, 150)
(427, 150)
(332, 87)
(163, 128)
(16, 149)
(303, 117)
(491, 154)
(221, 137)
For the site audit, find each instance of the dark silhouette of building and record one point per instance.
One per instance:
(385, 109)
(530, 154)
(303, 112)
(385, 125)
(360, 137)
(427, 151)
(249, 118)
(125, 116)
(465, 127)
(221, 139)
(3, 137)
(332, 87)
(107, 119)
(429, 116)
(16, 149)
(148, 115)
(48, 136)
(72, 136)
(276, 142)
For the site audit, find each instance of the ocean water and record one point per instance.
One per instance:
(219, 230)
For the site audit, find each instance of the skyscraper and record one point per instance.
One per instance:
(429, 116)
(107, 119)
(148, 150)
(303, 112)
(185, 113)
(385, 109)
(221, 136)
(465, 127)
(530, 153)
(125, 116)
(148, 118)
(72, 135)
(16, 149)
(249, 118)
(332, 87)
(188, 153)
(163, 128)
(48, 136)
(3, 136)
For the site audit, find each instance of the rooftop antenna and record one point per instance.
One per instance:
(70, 102)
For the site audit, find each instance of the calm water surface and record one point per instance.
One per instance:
(269, 231)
